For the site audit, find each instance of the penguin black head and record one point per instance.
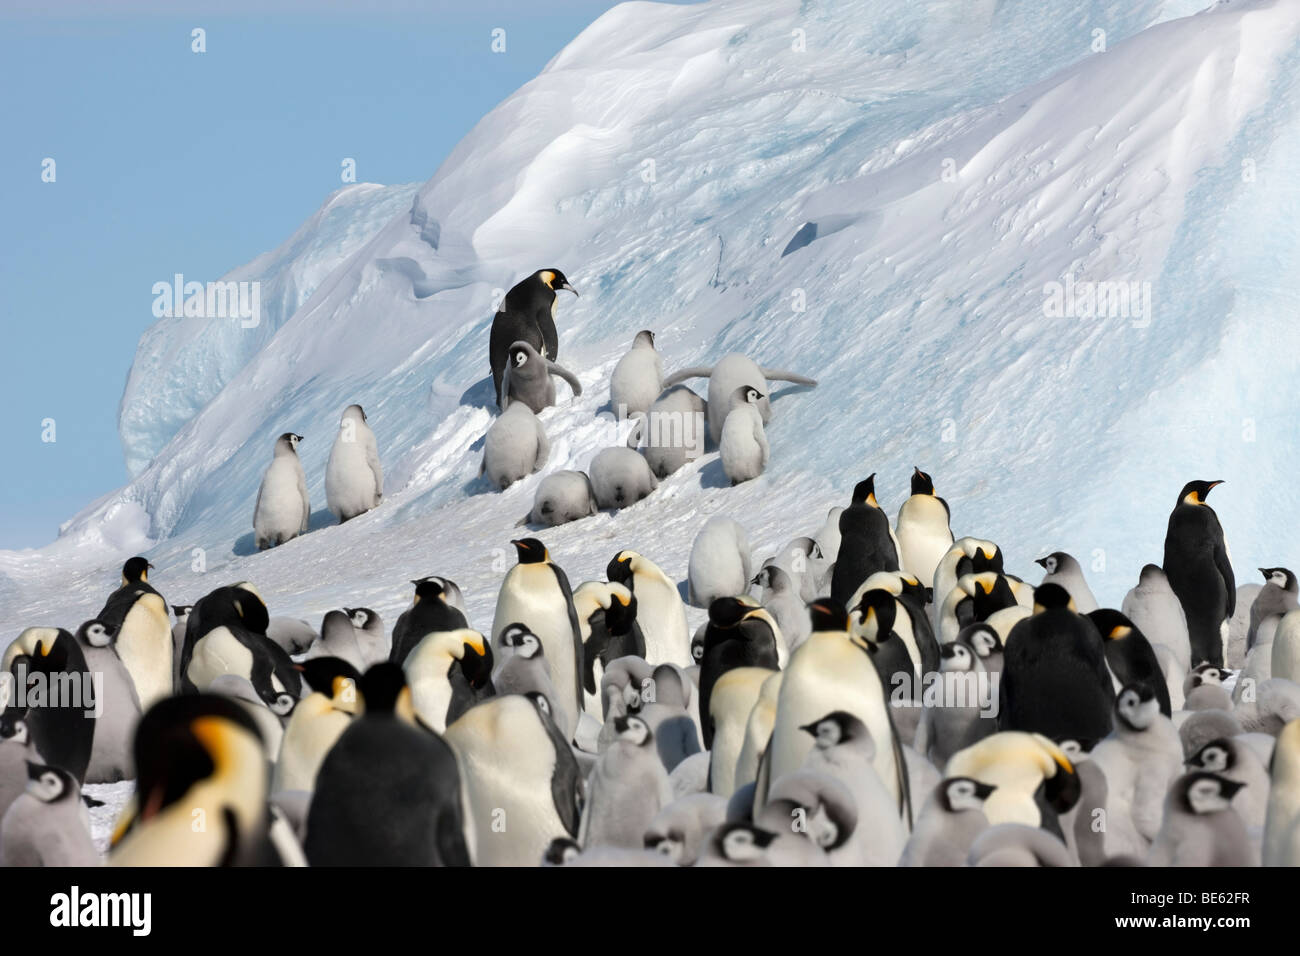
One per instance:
(358, 410)
(362, 617)
(922, 484)
(956, 656)
(554, 279)
(741, 842)
(964, 793)
(828, 615)
(746, 395)
(560, 851)
(176, 745)
(95, 633)
(835, 728)
(381, 686)
(49, 784)
(727, 612)
(426, 589)
(1282, 577)
(633, 729)
(865, 491)
(981, 638)
(325, 675)
(288, 442)
(1207, 673)
(543, 707)
(1136, 706)
(182, 611)
(644, 337)
(525, 642)
(1063, 789)
(476, 664)
(238, 604)
(619, 569)
(531, 551)
(1195, 492)
(1051, 597)
(879, 610)
(620, 618)
(1051, 562)
(1204, 792)
(520, 353)
(1217, 756)
(136, 570)
(1112, 625)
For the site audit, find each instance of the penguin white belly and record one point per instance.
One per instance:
(923, 536)
(218, 653)
(537, 602)
(758, 731)
(349, 482)
(825, 677)
(744, 455)
(431, 696)
(313, 729)
(279, 509)
(662, 618)
(903, 628)
(144, 643)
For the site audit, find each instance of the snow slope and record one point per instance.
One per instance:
(915, 176)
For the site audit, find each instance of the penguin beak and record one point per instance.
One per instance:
(567, 288)
(984, 790)
(1041, 562)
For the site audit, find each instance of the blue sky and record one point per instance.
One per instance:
(171, 161)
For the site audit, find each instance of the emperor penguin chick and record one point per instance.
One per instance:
(354, 479)
(627, 789)
(515, 446)
(1200, 826)
(950, 820)
(638, 378)
(743, 445)
(48, 824)
(282, 508)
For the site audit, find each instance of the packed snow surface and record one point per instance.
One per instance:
(875, 193)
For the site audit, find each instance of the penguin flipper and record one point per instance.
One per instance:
(681, 375)
(1225, 571)
(565, 374)
(779, 375)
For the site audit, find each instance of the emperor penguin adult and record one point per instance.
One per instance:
(63, 725)
(434, 607)
(317, 722)
(740, 634)
(388, 793)
(660, 610)
(1129, 655)
(966, 556)
(1034, 779)
(431, 677)
(198, 757)
(1062, 568)
(743, 445)
(522, 782)
(1054, 676)
(536, 593)
(607, 623)
(866, 543)
(354, 478)
(1282, 823)
(117, 703)
(832, 671)
(47, 825)
(527, 314)
(282, 508)
(1200, 572)
(137, 614)
(732, 372)
(638, 378)
(226, 634)
(924, 535)
(1200, 825)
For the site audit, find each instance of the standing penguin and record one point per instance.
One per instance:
(1200, 826)
(948, 824)
(354, 479)
(387, 793)
(740, 634)
(226, 634)
(63, 730)
(609, 630)
(924, 536)
(743, 445)
(282, 507)
(429, 674)
(372, 643)
(137, 615)
(536, 593)
(949, 727)
(1199, 571)
(16, 751)
(526, 314)
(515, 446)
(522, 781)
(1054, 676)
(721, 562)
(338, 639)
(638, 378)
(1279, 597)
(47, 825)
(732, 372)
(966, 556)
(1062, 568)
(660, 610)
(182, 612)
(1155, 610)
(317, 722)
(866, 545)
(528, 379)
(627, 789)
(434, 608)
(198, 757)
(782, 599)
(110, 756)
(522, 668)
(1129, 655)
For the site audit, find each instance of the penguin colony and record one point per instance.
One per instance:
(874, 693)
